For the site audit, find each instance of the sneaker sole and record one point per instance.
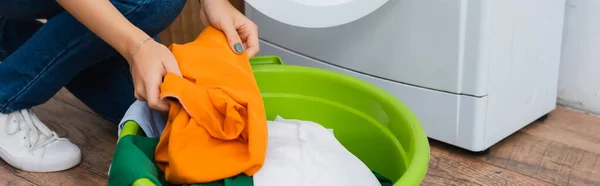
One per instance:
(26, 165)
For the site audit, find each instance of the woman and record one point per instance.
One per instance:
(101, 51)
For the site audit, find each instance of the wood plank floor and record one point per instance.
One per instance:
(563, 150)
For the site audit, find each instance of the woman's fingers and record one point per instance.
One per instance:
(138, 86)
(140, 94)
(233, 38)
(148, 69)
(170, 64)
(248, 32)
(252, 41)
(152, 95)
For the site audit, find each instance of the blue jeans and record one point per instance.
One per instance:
(39, 59)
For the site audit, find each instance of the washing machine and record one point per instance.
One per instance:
(473, 71)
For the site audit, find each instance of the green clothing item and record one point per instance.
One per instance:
(134, 159)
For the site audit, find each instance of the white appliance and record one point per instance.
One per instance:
(473, 71)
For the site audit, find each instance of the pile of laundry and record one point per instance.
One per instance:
(216, 132)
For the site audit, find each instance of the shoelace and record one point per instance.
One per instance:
(26, 120)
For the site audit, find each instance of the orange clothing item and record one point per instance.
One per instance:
(217, 125)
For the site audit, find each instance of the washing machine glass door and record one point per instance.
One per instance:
(316, 13)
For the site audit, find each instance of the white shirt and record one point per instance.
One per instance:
(303, 153)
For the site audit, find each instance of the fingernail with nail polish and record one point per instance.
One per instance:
(238, 48)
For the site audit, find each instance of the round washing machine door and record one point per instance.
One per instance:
(316, 13)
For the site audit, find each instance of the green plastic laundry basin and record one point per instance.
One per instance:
(372, 124)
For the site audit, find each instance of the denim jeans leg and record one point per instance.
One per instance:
(18, 21)
(62, 49)
(29, 9)
(13, 33)
(108, 81)
(106, 87)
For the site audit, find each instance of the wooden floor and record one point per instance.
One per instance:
(563, 150)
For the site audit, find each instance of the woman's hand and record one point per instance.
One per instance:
(240, 31)
(149, 65)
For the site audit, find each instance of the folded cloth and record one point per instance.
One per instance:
(133, 159)
(304, 153)
(216, 127)
(151, 121)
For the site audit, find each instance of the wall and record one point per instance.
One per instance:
(579, 82)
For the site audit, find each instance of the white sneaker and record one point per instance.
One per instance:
(27, 144)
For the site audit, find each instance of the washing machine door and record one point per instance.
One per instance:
(316, 13)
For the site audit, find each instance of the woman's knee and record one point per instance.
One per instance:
(29, 9)
(152, 16)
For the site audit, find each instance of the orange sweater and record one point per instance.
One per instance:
(217, 126)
